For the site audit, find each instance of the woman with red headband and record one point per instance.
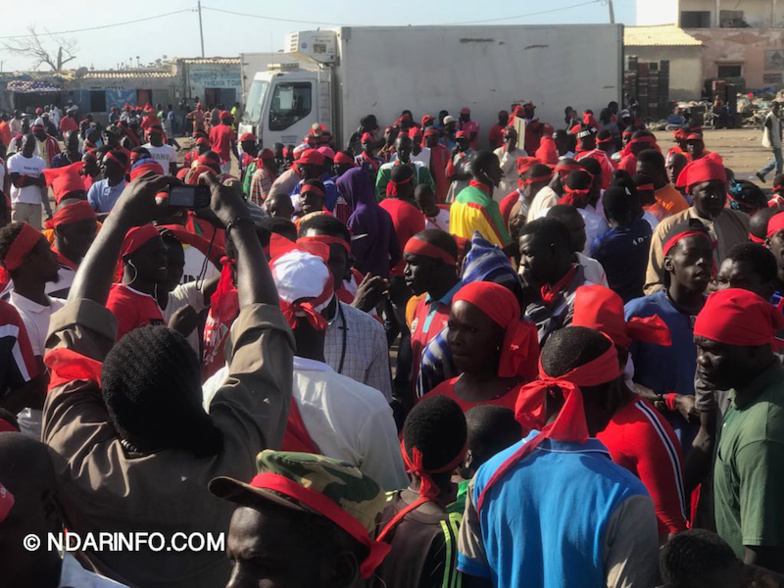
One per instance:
(553, 510)
(495, 351)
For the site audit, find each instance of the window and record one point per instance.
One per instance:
(732, 19)
(290, 103)
(729, 71)
(695, 19)
(772, 78)
(256, 95)
(97, 101)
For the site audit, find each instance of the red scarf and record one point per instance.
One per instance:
(480, 186)
(549, 294)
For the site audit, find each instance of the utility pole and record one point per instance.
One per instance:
(612, 11)
(201, 29)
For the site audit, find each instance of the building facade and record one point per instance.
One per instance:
(742, 40)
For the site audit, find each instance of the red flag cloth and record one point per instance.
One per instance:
(296, 436)
(137, 237)
(570, 425)
(597, 307)
(6, 502)
(521, 345)
(64, 180)
(72, 213)
(417, 246)
(66, 365)
(738, 317)
(706, 169)
(225, 301)
(27, 238)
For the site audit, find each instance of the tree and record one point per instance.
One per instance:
(51, 50)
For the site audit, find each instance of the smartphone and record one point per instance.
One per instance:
(190, 197)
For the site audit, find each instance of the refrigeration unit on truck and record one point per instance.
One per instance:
(346, 73)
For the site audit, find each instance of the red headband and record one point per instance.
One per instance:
(569, 426)
(573, 197)
(71, 213)
(143, 166)
(111, 156)
(738, 317)
(27, 238)
(342, 158)
(308, 188)
(755, 239)
(775, 224)
(647, 139)
(597, 307)
(672, 241)
(417, 246)
(520, 344)
(137, 237)
(525, 163)
(322, 505)
(646, 188)
(542, 178)
(392, 185)
(605, 140)
(326, 239)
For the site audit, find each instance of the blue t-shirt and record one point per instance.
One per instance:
(543, 524)
(102, 197)
(623, 253)
(666, 369)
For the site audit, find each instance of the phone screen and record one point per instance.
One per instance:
(182, 196)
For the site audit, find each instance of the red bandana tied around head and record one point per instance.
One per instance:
(343, 159)
(6, 502)
(311, 157)
(672, 241)
(576, 198)
(738, 317)
(392, 185)
(570, 425)
(117, 157)
(549, 294)
(326, 240)
(322, 505)
(521, 345)
(775, 224)
(525, 163)
(27, 238)
(65, 180)
(144, 166)
(309, 189)
(597, 307)
(225, 301)
(564, 169)
(72, 213)
(417, 246)
(706, 169)
(137, 237)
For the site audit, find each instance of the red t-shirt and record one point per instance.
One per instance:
(133, 309)
(496, 136)
(68, 124)
(222, 138)
(447, 389)
(641, 440)
(425, 326)
(408, 221)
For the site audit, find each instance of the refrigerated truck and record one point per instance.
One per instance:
(345, 73)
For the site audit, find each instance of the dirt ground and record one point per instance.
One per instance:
(741, 150)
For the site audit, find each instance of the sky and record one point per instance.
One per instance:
(229, 35)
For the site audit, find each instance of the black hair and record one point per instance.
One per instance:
(8, 235)
(480, 162)
(758, 223)
(579, 180)
(761, 260)
(325, 224)
(281, 226)
(592, 166)
(548, 228)
(424, 188)
(604, 134)
(435, 426)
(653, 157)
(562, 212)
(688, 557)
(401, 173)
(622, 178)
(440, 239)
(170, 239)
(491, 429)
(539, 170)
(151, 385)
(747, 194)
(692, 224)
(572, 347)
(620, 205)
(403, 138)
(641, 133)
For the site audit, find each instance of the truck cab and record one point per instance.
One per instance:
(285, 101)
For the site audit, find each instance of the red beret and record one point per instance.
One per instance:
(706, 169)
(311, 157)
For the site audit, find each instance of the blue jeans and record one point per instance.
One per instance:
(776, 162)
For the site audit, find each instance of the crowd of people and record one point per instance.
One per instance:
(406, 360)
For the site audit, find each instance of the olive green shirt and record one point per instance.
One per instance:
(749, 470)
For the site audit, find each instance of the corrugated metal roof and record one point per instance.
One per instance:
(115, 75)
(658, 36)
(213, 60)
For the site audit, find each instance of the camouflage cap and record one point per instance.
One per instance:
(344, 485)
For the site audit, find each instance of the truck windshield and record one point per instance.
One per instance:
(255, 104)
(290, 103)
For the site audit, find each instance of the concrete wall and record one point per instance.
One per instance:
(198, 76)
(757, 13)
(759, 52)
(685, 68)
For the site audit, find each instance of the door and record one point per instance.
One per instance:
(212, 96)
(291, 112)
(143, 97)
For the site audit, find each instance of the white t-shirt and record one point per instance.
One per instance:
(165, 154)
(26, 166)
(440, 221)
(185, 295)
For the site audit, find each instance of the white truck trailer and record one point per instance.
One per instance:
(345, 73)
